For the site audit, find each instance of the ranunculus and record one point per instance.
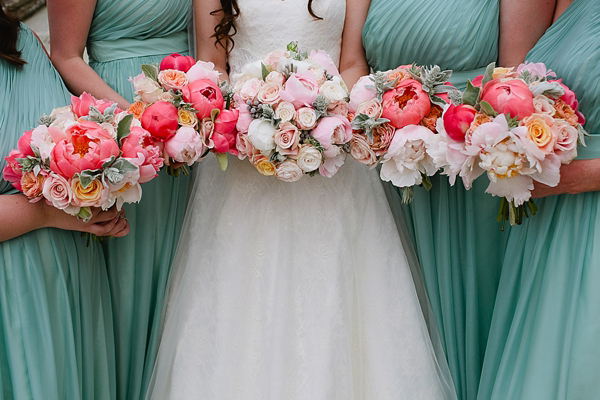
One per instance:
(539, 131)
(204, 96)
(406, 104)
(309, 158)
(287, 139)
(300, 90)
(146, 88)
(285, 111)
(511, 97)
(172, 79)
(457, 120)
(261, 134)
(371, 108)
(91, 196)
(288, 171)
(332, 130)
(203, 71)
(565, 146)
(570, 98)
(263, 165)
(306, 118)
(57, 192)
(86, 146)
(185, 146)
(250, 89)
(363, 90)
(32, 185)
(178, 62)
(186, 118)
(325, 61)
(361, 151)
(224, 132)
(269, 93)
(161, 120)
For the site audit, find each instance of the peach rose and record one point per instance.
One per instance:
(361, 151)
(564, 111)
(539, 131)
(249, 89)
(287, 139)
(382, 137)
(137, 109)
(371, 108)
(269, 93)
(172, 79)
(32, 186)
(264, 166)
(186, 118)
(93, 195)
(275, 77)
(285, 111)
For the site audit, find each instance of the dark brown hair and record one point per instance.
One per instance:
(9, 26)
(226, 29)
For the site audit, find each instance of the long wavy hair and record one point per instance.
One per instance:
(9, 26)
(226, 29)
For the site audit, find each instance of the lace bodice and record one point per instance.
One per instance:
(288, 20)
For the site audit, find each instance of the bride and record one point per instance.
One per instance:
(292, 290)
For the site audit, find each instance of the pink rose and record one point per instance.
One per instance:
(457, 120)
(288, 171)
(332, 130)
(511, 97)
(224, 135)
(244, 119)
(571, 99)
(203, 71)
(363, 90)
(204, 95)
(323, 59)
(244, 147)
(57, 191)
(87, 146)
(406, 104)
(287, 139)
(178, 62)
(361, 151)
(273, 57)
(269, 93)
(300, 90)
(161, 120)
(371, 107)
(565, 146)
(185, 146)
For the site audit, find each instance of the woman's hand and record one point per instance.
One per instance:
(579, 176)
(103, 223)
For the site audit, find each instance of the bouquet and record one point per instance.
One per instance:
(182, 105)
(394, 116)
(516, 126)
(88, 154)
(292, 114)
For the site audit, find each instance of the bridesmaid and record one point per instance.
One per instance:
(546, 324)
(458, 242)
(120, 36)
(56, 330)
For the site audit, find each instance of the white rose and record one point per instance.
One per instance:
(276, 77)
(261, 134)
(306, 118)
(543, 105)
(309, 158)
(148, 90)
(332, 91)
(288, 171)
(285, 111)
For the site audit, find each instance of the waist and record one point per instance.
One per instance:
(592, 148)
(110, 50)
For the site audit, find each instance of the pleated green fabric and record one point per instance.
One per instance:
(124, 35)
(56, 331)
(457, 238)
(546, 325)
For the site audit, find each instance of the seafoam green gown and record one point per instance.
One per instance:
(545, 336)
(56, 332)
(124, 35)
(457, 238)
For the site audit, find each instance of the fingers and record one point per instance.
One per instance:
(117, 226)
(99, 216)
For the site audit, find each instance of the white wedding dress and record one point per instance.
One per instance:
(293, 290)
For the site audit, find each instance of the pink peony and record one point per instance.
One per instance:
(12, 170)
(300, 90)
(203, 70)
(161, 120)
(457, 120)
(139, 148)
(204, 95)
(24, 144)
(511, 97)
(332, 130)
(178, 62)
(185, 146)
(406, 104)
(536, 69)
(81, 105)
(323, 59)
(361, 93)
(224, 135)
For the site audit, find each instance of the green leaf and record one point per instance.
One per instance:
(292, 46)
(426, 182)
(471, 94)
(265, 71)
(86, 177)
(85, 213)
(214, 113)
(124, 127)
(222, 159)
(116, 172)
(489, 73)
(150, 71)
(512, 122)
(488, 109)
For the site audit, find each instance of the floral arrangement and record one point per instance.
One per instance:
(517, 126)
(182, 105)
(394, 116)
(88, 154)
(292, 114)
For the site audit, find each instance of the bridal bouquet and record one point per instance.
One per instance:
(394, 116)
(88, 154)
(516, 126)
(292, 114)
(182, 105)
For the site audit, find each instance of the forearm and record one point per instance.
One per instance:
(351, 74)
(19, 216)
(579, 176)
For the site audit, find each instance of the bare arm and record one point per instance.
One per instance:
(69, 22)
(19, 216)
(522, 23)
(353, 62)
(205, 24)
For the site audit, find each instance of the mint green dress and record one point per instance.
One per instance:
(56, 331)
(457, 238)
(124, 35)
(544, 342)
